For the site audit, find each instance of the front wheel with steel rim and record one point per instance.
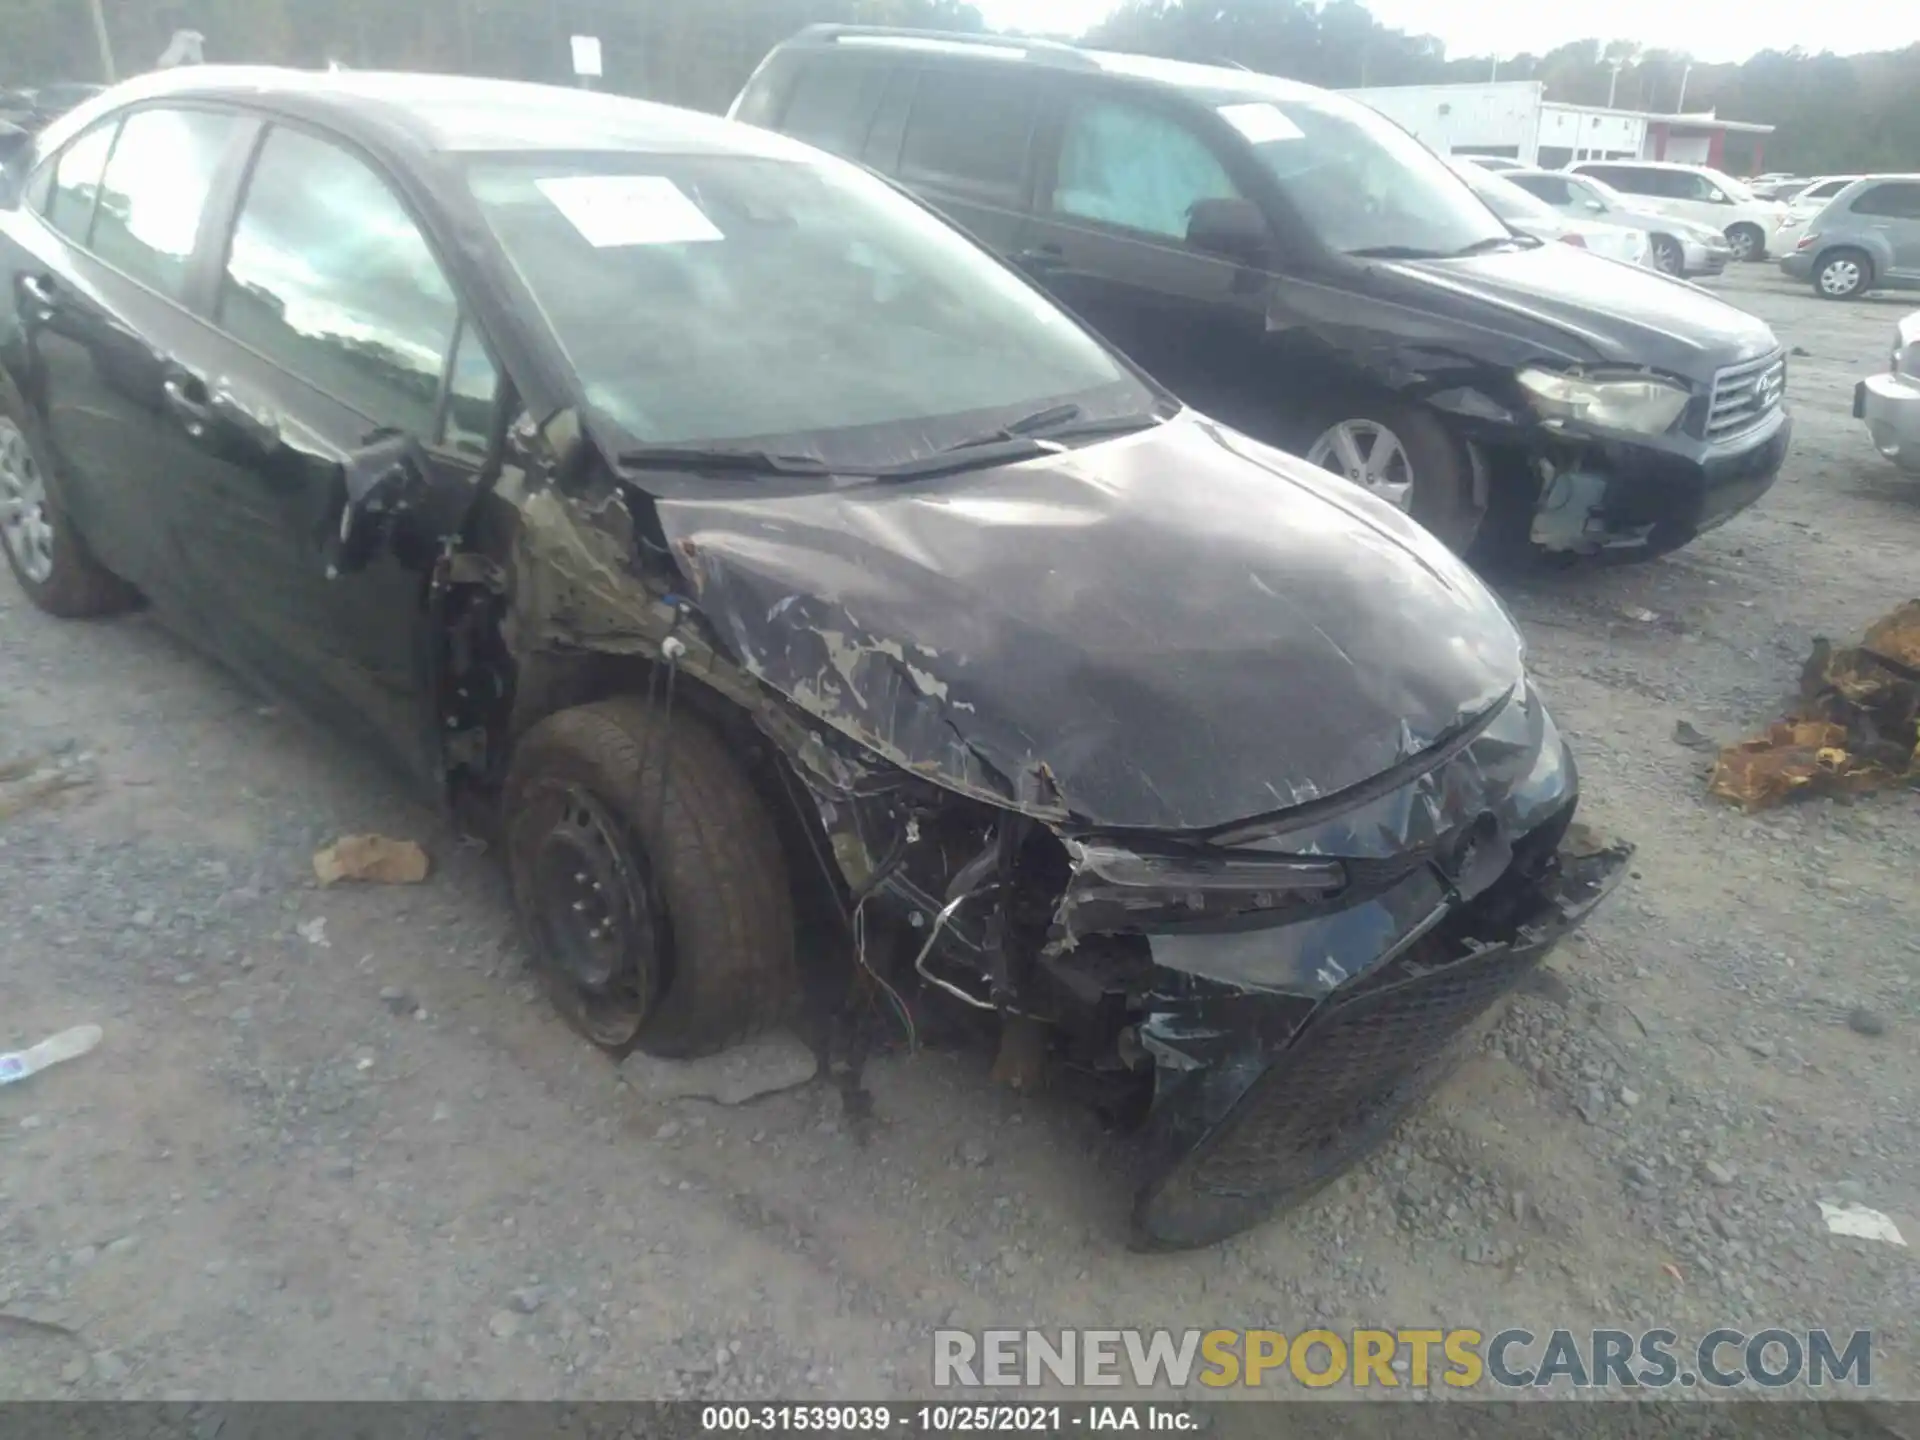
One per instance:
(660, 919)
(1668, 256)
(1404, 455)
(1842, 275)
(45, 552)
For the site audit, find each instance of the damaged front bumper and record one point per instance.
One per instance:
(1654, 494)
(1264, 1097)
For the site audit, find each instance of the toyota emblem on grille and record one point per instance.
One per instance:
(1769, 388)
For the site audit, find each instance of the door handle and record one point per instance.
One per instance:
(1041, 259)
(260, 428)
(185, 397)
(40, 294)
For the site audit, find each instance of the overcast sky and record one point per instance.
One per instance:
(1709, 29)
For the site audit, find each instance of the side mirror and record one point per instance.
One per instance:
(1717, 196)
(382, 480)
(1231, 227)
(1596, 207)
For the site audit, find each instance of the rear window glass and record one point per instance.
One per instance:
(970, 129)
(76, 182)
(1898, 201)
(154, 190)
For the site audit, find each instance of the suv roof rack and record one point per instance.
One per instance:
(1052, 52)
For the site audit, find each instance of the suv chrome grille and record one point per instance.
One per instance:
(1744, 395)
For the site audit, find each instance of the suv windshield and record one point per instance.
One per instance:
(796, 306)
(1360, 182)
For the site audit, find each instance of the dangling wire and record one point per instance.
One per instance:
(899, 1006)
(671, 650)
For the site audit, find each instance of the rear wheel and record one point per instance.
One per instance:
(659, 923)
(1842, 275)
(1405, 456)
(1668, 257)
(43, 548)
(1748, 242)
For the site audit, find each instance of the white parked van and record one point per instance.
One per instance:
(1695, 192)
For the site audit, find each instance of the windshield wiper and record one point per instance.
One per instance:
(1396, 252)
(719, 460)
(1023, 439)
(1492, 242)
(1039, 420)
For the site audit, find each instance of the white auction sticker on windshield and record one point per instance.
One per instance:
(1260, 122)
(612, 210)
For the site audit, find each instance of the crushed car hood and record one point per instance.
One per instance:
(1170, 631)
(1590, 312)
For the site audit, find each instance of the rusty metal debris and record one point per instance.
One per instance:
(372, 858)
(1853, 730)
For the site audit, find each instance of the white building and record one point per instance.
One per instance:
(1515, 119)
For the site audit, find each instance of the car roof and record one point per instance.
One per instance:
(450, 112)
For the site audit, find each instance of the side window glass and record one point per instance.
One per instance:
(832, 104)
(329, 276)
(76, 182)
(470, 393)
(1693, 187)
(1900, 202)
(155, 187)
(39, 190)
(1552, 189)
(970, 129)
(1122, 165)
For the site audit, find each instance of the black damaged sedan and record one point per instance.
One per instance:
(805, 603)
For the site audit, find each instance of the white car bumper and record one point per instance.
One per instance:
(1890, 404)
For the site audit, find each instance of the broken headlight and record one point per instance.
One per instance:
(1120, 888)
(1239, 873)
(1640, 403)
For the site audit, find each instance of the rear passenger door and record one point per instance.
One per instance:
(105, 293)
(961, 137)
(335, 324)
(1891, 212)
(1119, 177)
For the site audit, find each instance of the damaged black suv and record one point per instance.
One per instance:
(804, 602)
(1295, 264)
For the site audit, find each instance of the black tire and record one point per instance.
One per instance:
(1669, 258)
(1749, 242)
(1831, 272)
(1443, 492)
(44, 549)
(693, 892)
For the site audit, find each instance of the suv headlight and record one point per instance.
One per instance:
(1639, 403)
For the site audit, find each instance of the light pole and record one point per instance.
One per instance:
(100, 36)
(1612, 82)
(1680, 105)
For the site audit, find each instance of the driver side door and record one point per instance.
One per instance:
(334, 326)
(1118, 179)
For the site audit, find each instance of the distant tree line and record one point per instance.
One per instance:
(1833, 113)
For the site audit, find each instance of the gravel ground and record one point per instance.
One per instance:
(335, 1145)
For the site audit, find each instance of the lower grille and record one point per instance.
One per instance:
(1356, 1069)
(1744, 395)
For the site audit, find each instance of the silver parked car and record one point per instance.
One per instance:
(1868, 238)
(1679, 246)
(1890, 402)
